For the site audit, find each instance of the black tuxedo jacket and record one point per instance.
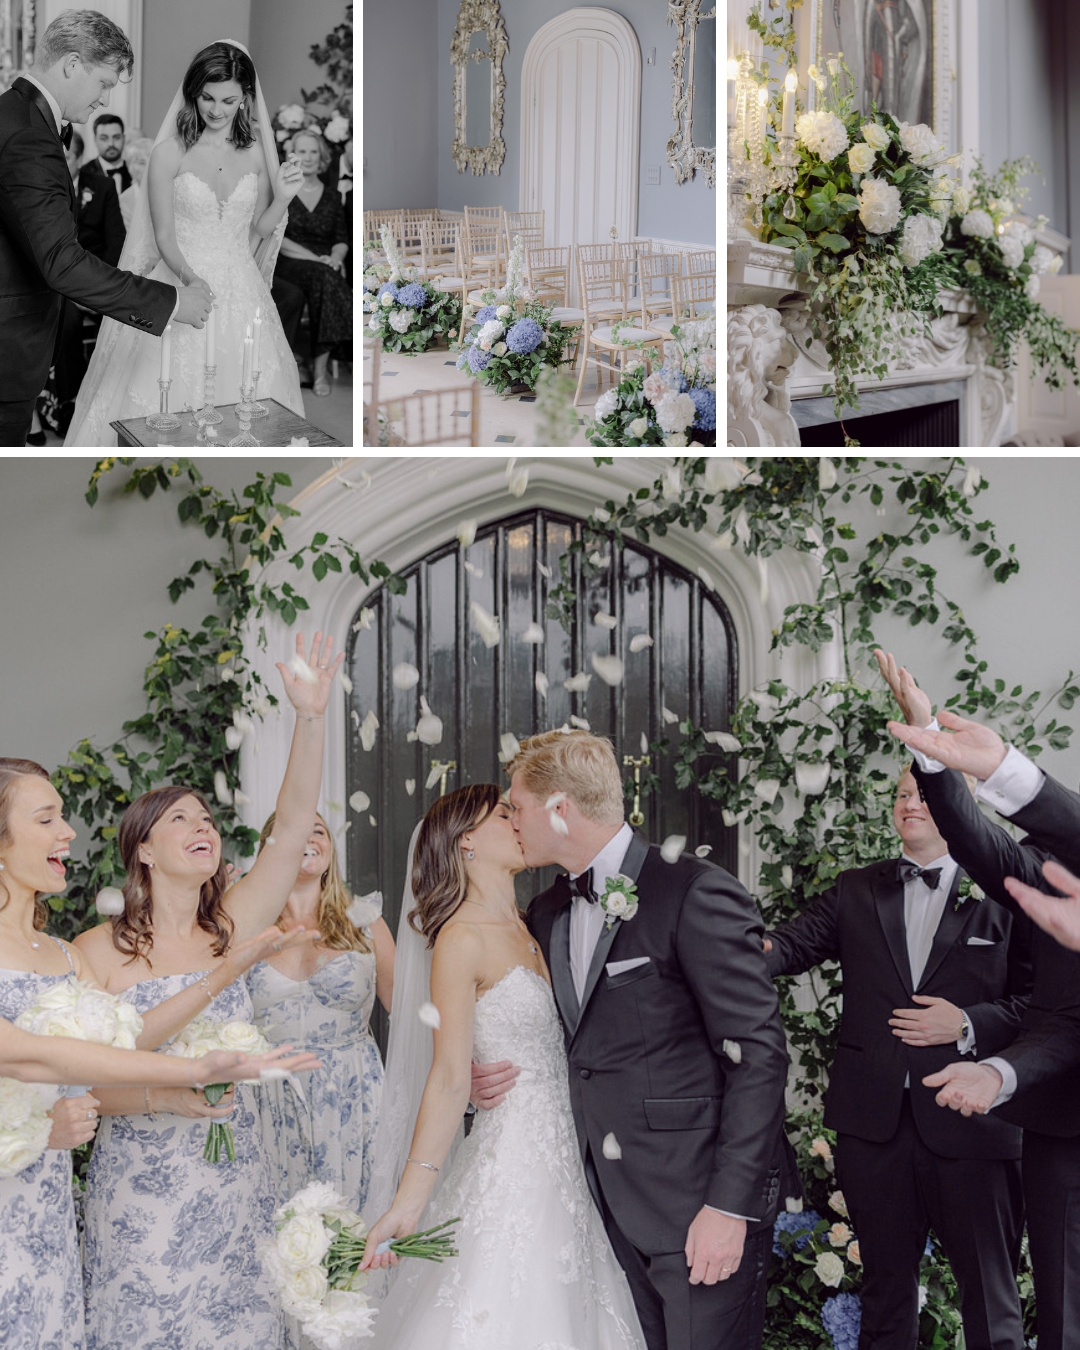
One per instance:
(646, 1049)
(1046, 1052)
(41, 259)
(860, 923)
(92, 169)
(100, 223)
(1053, 821)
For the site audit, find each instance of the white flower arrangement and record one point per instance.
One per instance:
(620, 899)
(200, 1037)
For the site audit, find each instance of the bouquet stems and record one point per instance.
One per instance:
(347, 1251)
(219, 1136)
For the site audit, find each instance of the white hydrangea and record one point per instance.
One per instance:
(1012, 250)
(1041, 258)
(879, 205)
(919, 141)
(675, 412)
(921, 237)
(1031, 288)
(491, 331)
(978, 225)
(606, 404)
(822, 133)
(401, 319)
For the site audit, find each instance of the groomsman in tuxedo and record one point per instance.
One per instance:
(109, 165)
(1035, 1081)
(675, 1051)
(79, 59)
(100, 224)
(928, 973)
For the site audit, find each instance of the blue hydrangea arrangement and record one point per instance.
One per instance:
(409, 316)
(514, 346)
(673, 406)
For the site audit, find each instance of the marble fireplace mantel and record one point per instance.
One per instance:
(774, 360)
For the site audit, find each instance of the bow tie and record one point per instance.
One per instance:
(66, 132)
(582, 886)
(116, 170)
(343, 176)
(909, 871)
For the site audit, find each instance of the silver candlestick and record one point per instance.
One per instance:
(257, 409)
(208, 413)
(163, 419)
(243, 416)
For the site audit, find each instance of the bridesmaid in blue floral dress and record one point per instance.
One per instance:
(172, 1242)
(320, 998)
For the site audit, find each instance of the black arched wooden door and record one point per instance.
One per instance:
(480, 692)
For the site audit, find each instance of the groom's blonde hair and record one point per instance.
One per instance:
(575, 762)
(96, 38)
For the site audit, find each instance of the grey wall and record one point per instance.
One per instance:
(282, 34)
(173, 33)
(401, 103)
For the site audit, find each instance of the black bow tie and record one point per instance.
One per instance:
(582, 886)
(114, 171)
(66, 132)
(908, 871)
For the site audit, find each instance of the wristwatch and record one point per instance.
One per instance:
(965, 1027)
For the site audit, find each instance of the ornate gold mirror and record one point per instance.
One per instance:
(693, 104)
(477, 50)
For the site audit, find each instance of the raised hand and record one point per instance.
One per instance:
(288, 179)
(912, 702)
(266, 944)
(937, 1022)
(968, 1088)
(227, 1066)
(1060, 918)
(308, 679)
(964, 745)
(74, 1121)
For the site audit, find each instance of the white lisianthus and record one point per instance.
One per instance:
(1031, 287)
(879, 205)
(638, 427)
(829, 1268)
(919, 141)
(961, 200)
(978, 225)
(1012, 250)
(822, 133)
(875, 135)
(973, 267)
(606, 404)
(921, 237)
(861, 157)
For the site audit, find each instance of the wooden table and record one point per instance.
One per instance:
(277, 429)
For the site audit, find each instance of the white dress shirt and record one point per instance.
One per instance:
(52, 101)
(587, 920)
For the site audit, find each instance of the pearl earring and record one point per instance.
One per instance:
(470, 855)
(1, 867)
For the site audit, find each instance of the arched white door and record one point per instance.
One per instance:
(580, 127)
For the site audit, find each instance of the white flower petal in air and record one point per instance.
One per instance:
(509, 747)
(706, 578)
(644, 744)
(786, 877)
(429, 728)
(557, 823)
(345, 682)
(972, 479)
(733, 1050)
(609, 668)
(410, 786)
(429, 1015)
(365, 909)
(766, 789)
(302, 670)
(580, 722)
(577, 684)
(640, 641)
(611, 1149)
(725, 740)
(434, 774)
(672, 847)
(473, 570)
(109, 900)
(763, 579)
(404, 676)
(355, 718)
(826, 474)
(553, 801)
(222, 790)
(487, 625)
(359, 802)
(534, 633)
(702, 850)
(366, 619)
(466, 532)
(542, 683)
(544, 570)
(603, 620)
(811, 779)
(742, 526)
(722, 474)
(668, 716)
(517, 482)
(368, 727)
(372, 821)
(233, 738)
(732, 818)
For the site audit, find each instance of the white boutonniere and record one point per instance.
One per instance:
(87, 196)
(620, 899)
(968, 890)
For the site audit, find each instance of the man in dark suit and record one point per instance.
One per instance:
(675, 1052)
(109, 140)
(1035, 1081)
(100, 224)
(80, 58)
(927, 972)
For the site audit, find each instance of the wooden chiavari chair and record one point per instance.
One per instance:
(603, 283)
(529, 224)
(434, 417)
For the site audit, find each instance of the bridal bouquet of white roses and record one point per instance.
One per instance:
(76, 1009)
(25, 1125)
(314, 1259)
(199, 1038)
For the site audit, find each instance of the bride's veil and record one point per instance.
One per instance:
(110, 366)
(408, 1060)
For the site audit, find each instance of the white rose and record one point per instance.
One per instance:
(879, 205)
(18, 1150)
(978, 225)
(921, 237)
(303, 1241)
(503, 312)
(822, 133)
(617, 904)
(386, 300)
(861, 157)
(919, 141)
(829, 1268)
(821, 1149)
(61, 1022)
(1012, 250)
(973, 267)
(492, 330)
(499, 349)
(242, 1036)
(337, 129)
(961, 200)
(606, 404)
(874, 134)
(638, 427)
(839, 1235)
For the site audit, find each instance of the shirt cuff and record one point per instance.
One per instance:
(1008, 1079)
(1014, 784)
(924, 762)
(728, 1214)
(176, 306)
(966, 1043)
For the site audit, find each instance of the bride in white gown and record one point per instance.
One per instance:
(213, 203)
(535, 1269)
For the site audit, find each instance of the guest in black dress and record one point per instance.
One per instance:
(313, 255)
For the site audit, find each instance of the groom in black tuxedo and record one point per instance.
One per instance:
(675, 1050)
(80, 58)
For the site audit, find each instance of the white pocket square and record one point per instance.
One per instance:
(981, 942)
(617, 967)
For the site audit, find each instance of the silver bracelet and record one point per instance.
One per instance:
(205, 984)
(182, 281)
(430, 1166)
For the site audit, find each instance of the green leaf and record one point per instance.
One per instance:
(835, 243)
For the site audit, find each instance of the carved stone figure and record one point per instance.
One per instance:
(760, 355)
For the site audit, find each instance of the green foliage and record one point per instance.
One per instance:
(200, 678)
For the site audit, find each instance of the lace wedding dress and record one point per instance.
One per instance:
(535, 1270)
(122, 380)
